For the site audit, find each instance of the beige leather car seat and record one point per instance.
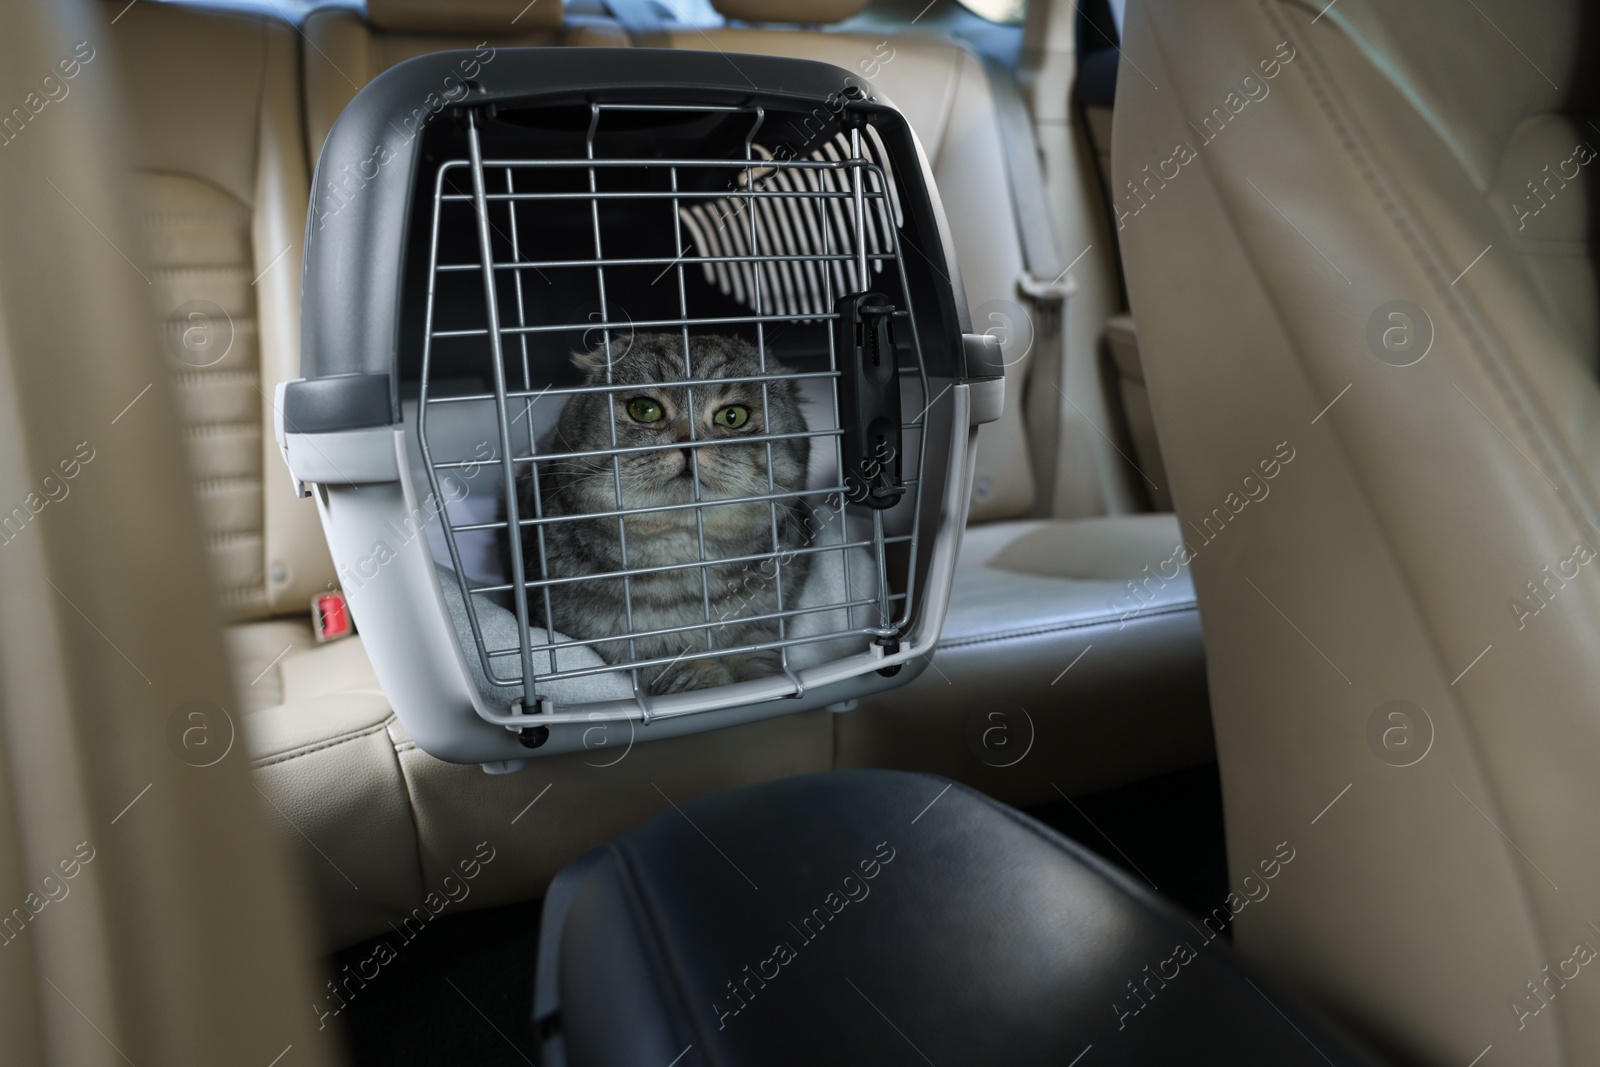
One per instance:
(148, 913)
(221, 178)
(1363, 233)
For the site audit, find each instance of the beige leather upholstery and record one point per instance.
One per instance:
(389, 821)
(148, 916)
(1062, 667)
(1122, 339)
(222, 181)
(280, 662)
(1432, 539)
(343, 51)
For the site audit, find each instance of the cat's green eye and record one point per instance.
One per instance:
(643, 409)
(733, 416)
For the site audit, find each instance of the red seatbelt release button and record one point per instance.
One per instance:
(330, 617)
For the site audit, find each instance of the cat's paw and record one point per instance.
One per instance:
(755, 665)
(685, 675)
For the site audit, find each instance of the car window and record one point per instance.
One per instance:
(692, 12)
(288, 10)
(1008, 12)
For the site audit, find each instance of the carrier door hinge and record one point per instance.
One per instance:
(336, 431)
(985, 377)
(869, 397)
(532, 735)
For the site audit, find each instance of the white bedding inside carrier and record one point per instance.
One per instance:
(464, 432)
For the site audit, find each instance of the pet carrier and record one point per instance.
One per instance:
(639, 394)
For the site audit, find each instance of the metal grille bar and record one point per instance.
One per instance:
(810, 231)
(655, 509)
(790, 613)
(665, 261)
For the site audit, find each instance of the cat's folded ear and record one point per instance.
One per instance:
(592, 361)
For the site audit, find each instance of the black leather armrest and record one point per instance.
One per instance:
(879, 917)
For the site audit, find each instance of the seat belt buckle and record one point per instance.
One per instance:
(1049, 296)
(330, 617)
(1054, 291)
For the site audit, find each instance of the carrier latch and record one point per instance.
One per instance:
(869, 399)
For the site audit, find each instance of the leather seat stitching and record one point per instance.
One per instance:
(217, 485)
(198, 269)
(1489, 362)
(1177, 609)
(1504, 377)
(267, 761)
(228, 537)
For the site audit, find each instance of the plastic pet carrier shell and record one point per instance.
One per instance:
(639, 396)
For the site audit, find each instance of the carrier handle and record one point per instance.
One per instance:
(869, 399)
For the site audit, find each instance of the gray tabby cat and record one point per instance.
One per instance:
(655, 412)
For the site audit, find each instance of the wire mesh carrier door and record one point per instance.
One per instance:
(633, 399)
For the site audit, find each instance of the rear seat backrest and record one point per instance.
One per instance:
(345, 51)
(945, 94)
(223, 177)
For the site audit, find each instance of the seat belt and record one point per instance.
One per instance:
(1044, 277)
(644, 20)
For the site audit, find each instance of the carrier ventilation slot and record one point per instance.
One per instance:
(798, 229)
